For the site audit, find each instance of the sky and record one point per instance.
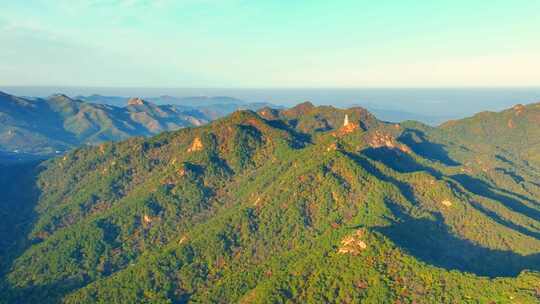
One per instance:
(270, 43)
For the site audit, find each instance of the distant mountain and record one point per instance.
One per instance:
(195, 101)
(212, 106)
(218, 106)
(301, 205)
(58, 123)
(117, 101)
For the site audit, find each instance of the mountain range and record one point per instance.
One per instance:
(193, 101)
(48, 126)
(223, 105)
(211, 106)
(301, 205)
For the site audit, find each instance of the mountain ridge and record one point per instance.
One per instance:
(280, 205)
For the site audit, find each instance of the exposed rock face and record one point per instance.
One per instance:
(353, 244)
(511, 124)
(467, 169)
(332, 147)
(182, 172)
(518, 109)
(446, 203)
(257, 201)
(147, 219)
(183, 239)
(136, 101)
(348, 128)
(196, 145)
(380, 139)
(269, 113)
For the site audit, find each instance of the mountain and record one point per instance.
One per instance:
(58, 123)
(194, 101)
(514, 132)
(219, 106)
(308, 204)
(212, 106)
(198, 101)
(117, 101)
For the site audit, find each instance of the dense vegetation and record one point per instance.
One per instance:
(285, 206)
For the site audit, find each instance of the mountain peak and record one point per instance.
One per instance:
(300, 109)
(61, 100)
(304, 106)
(136, 101)
(60, 96)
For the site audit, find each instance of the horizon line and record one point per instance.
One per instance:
(278, 87)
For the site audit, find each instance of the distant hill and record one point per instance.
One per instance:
(302, 205)
(217, 106)
(194, 101)
(117, 101)
(212, 106)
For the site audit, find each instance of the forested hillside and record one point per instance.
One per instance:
(302, 205)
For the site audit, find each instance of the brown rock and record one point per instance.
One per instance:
(518, 109)
(353, 244)
(147, 219)
(196, 145)
(380, 139)
(446, 203)
(135, 101)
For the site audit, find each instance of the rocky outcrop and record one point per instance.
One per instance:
(511, 124)
(518, 109)
(136, 101)
(147, 219)
(446, 203)
(353, 244)
(197, 145)
(332, 147)
(384, 140)
(347, 129)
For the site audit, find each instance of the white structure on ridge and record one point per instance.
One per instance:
(346, 122)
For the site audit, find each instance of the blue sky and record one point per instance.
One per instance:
(293, 43)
